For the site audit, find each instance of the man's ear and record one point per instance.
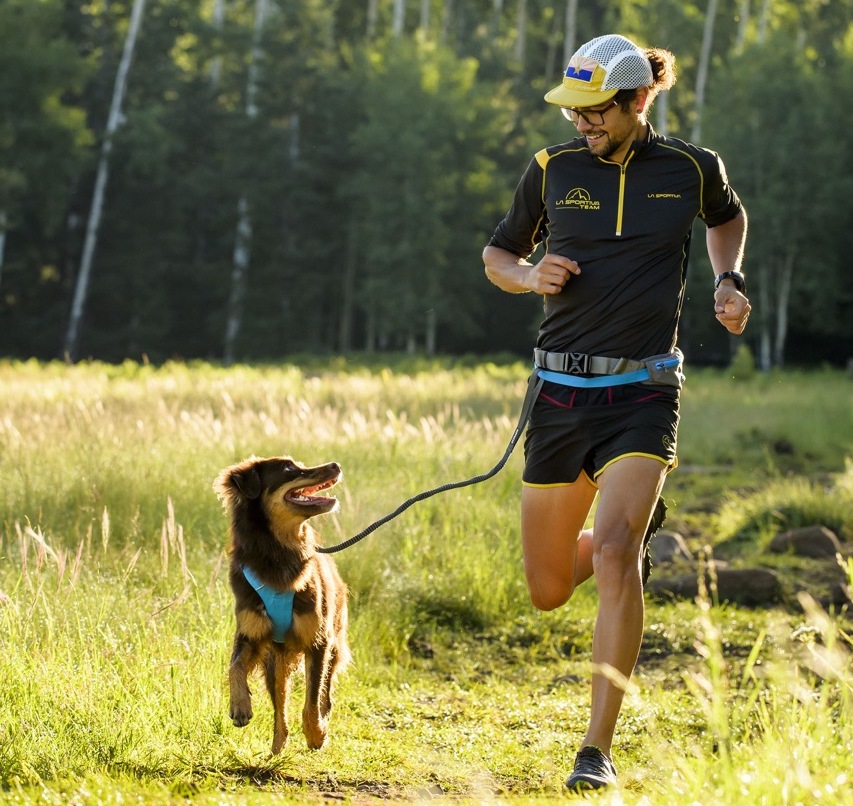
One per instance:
(248, 482)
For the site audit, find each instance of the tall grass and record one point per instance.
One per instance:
(115, 617)
(777, 726)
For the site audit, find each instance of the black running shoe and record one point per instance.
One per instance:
(593, 770)
(658, 517)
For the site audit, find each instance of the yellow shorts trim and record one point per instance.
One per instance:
(583, 474)
(670, 466)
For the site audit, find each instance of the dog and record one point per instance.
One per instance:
(273, 562)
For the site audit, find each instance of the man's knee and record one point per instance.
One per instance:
(616, 557)
(549, 594)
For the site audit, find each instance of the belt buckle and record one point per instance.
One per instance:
(579, 364)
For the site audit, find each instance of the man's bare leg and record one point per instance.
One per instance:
(558, 551)
(629, 491)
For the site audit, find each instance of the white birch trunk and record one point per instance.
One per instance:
(662, 113)
(762, 21)
(425, 9)
(243, 236)
(217, 18)
(521, 32)
(497, 15)
(81, 290)
(702, 71)
(399, 18)
(372, 16)
(783, 296)
(571, 35)
(765, 341)
(743, 24)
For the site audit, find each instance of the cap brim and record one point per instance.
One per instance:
(563, 96)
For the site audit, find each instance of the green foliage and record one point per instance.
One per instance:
(742, 367)
(376, 168)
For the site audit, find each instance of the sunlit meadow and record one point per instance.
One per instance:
(116, 618)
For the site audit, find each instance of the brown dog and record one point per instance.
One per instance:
(274, 564)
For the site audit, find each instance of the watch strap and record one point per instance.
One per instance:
(735, 276)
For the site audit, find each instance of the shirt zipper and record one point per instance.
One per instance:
(621, 206)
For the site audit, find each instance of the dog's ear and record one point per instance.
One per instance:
(248, 482)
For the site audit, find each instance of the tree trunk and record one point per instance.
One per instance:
(743, 23)
(372, 16)
(217, 18)
(81, 290)
(762, 21)
(425, 9)
(446, 20)
(431, 332)
(497, 16)
(702, 70)
(571, 34)
(521, 33)
(348, 290)
(399, 18)
(765, 351)
(662, 114)
(243, 238)
(783, 296)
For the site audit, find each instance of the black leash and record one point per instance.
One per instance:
(533, 387)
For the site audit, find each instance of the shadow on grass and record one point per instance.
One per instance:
(186, 779)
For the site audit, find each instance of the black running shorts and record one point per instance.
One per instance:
(573, 430)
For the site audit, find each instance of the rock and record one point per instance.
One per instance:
(808, 541)
(667, 547)
(746, 586)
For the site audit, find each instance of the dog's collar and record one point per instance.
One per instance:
(278, 604)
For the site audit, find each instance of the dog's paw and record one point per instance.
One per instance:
(278, 744)
(315, 734)
(241, 713)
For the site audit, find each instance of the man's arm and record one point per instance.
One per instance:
(725, 249)
(516, 275)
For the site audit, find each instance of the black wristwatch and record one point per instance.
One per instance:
(738, 279)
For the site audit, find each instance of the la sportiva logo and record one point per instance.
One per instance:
(578, 199)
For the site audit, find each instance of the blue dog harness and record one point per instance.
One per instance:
(278, 604)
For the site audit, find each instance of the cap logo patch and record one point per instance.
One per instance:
(581, 69)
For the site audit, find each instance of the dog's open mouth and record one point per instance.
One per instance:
(307, 496)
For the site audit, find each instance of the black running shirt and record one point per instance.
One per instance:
(628, 226)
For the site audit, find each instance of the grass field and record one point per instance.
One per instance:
(116, 618)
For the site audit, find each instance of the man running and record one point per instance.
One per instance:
(613, 210)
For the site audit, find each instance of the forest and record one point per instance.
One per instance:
(248, 180)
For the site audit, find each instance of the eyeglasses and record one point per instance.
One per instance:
(594, 117)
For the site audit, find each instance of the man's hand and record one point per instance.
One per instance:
(732, 308)
(550, 274)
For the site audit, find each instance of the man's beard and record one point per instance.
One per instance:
(605, 147)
